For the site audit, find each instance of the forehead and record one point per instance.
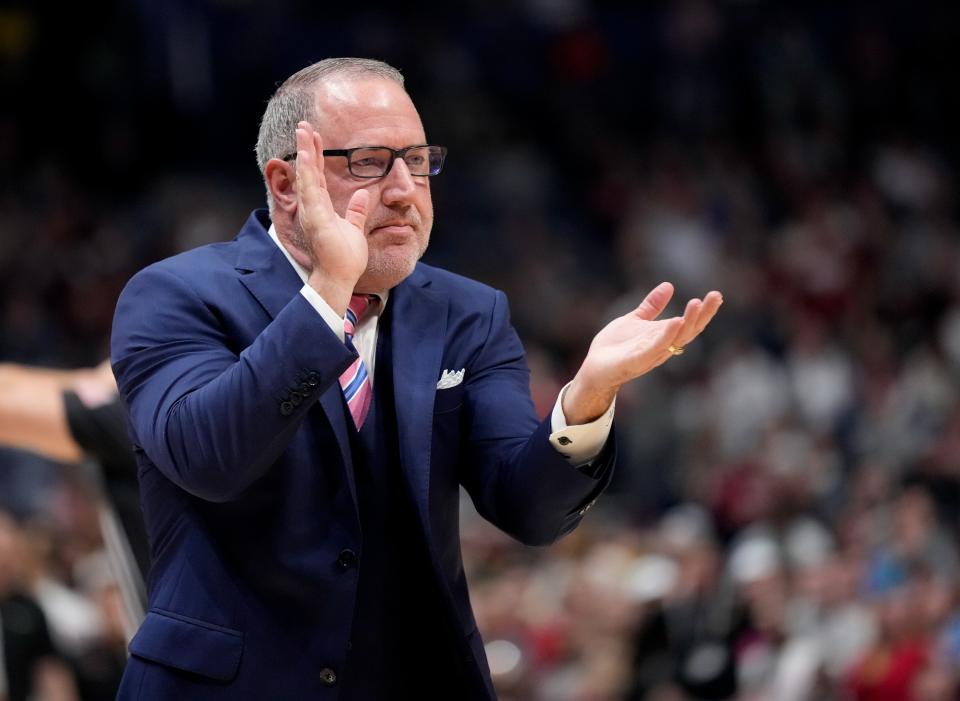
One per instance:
(366, 111)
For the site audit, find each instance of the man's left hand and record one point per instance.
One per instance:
(633, 345)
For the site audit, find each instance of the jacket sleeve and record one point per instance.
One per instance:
(212, 418)
(516, 478)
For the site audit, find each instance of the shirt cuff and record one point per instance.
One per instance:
(325, 310)
(581, 443)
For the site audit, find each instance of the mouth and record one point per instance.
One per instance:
(394, 228)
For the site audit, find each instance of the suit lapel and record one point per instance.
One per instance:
(265, 272)
(269, 277)
(418, 328)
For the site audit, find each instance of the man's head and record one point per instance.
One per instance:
(351, 102)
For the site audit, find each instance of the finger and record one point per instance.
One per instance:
(310, 155)
(671, 328)
(655, 302)
(306, 161)
(311, 185)
(306, 149)
(356, 213)
(691, 314)
(668, 336)
(711, 303)
(318, 156)
(685, 326)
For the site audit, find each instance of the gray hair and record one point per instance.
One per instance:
(295, 101)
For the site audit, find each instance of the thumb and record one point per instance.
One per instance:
(655, 302)
(356, 213)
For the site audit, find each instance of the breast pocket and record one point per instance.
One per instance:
(448, 400)
(447, 419)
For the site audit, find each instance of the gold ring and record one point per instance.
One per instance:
(675, 350)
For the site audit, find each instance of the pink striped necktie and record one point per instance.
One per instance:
(356, 381)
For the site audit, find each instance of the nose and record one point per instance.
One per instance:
(398, 185)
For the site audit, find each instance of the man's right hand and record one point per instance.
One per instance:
(337, 245)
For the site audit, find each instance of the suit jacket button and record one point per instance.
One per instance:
(295, 398)
(328, 676)
(346, 559)
(313, 379)
(286, 408)
(306, 389)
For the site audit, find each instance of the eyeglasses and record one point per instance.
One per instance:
(376, 161)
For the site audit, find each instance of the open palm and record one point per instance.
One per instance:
(633, 345)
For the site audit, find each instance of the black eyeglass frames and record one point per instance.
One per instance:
(376, 161)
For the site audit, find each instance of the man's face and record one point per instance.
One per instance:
(377, 112)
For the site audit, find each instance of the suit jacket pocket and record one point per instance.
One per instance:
(189, 645)
(448, 399)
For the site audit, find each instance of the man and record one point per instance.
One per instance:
(305, 402)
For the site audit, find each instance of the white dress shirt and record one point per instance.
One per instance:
(579, 444)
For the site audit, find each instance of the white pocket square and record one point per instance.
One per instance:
(449, 378)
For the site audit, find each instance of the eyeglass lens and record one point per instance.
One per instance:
(373, 162)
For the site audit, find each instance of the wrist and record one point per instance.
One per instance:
(584, 401)
(335, 293)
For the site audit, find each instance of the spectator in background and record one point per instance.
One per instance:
(30, 666)
(687, 642)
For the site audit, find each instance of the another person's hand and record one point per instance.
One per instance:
(33, 414)
(633, 345)
(337, 245)
(95, 387)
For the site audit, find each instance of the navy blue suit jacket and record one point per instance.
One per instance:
(231, 381)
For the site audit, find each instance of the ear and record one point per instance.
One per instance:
(280, 177)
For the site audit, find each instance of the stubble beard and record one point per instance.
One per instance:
(387, 266)
(298, 238)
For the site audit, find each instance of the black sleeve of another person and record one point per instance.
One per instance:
(26, 641)
(102, 433)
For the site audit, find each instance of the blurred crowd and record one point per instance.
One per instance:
(783, 524)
